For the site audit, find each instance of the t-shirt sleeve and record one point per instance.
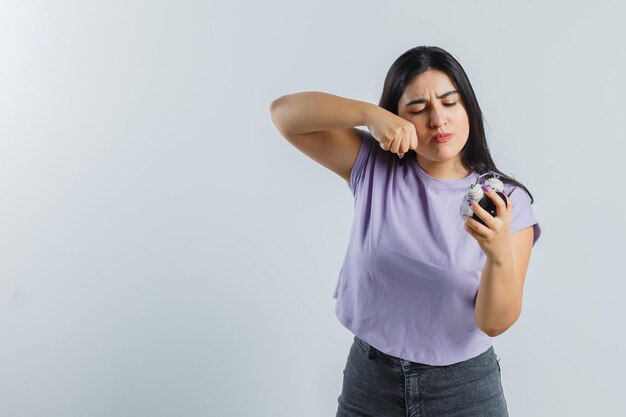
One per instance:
(362, 159)
(523, 215)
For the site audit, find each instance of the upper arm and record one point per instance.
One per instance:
(334, 149)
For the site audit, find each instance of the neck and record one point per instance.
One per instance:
(443, 170)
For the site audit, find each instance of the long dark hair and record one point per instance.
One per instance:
(475, 155)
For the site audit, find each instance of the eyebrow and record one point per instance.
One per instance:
(423, 100)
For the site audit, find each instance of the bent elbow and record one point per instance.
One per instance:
(495, 331)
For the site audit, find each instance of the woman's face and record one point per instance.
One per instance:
(432, 103)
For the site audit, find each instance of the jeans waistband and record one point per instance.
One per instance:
(372, 352)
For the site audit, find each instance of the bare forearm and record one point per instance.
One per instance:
(499, 299)
(312, 111)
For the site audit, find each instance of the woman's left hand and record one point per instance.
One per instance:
(493, 239)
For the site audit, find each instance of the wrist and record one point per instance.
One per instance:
(367, 112)
(503, 256)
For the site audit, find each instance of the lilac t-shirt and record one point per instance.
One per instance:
(410, 276)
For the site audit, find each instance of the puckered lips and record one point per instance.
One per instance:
(441, 137)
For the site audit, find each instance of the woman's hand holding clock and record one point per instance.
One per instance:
(494, 238)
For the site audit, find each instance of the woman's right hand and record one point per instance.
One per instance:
(392, 132)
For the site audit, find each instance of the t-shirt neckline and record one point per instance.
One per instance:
(450, 182)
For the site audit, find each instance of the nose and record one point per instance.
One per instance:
(437, 118)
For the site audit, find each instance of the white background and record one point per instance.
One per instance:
(165, 252)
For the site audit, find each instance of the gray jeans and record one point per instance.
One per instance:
(379, 385)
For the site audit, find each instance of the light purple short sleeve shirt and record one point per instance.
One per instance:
(410, 276)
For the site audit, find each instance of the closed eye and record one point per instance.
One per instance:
(445, 104)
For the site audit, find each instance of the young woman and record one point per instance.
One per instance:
(422, 288)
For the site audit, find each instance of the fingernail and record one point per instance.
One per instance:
(470, 202)
(486, 188)
(401, 155)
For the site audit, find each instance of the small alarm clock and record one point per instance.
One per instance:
(475, 193)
